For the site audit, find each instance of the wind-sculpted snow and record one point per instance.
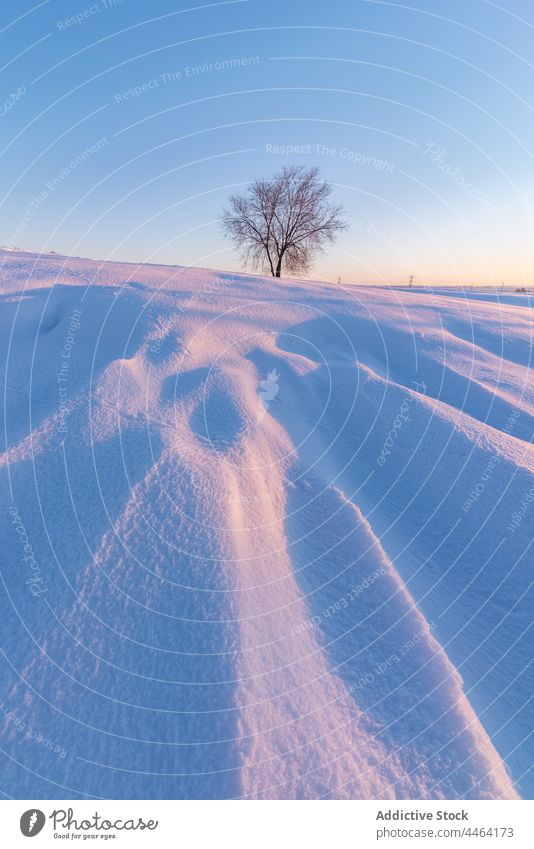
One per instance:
(262, 539)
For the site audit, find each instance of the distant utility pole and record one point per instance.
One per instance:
(412, 276)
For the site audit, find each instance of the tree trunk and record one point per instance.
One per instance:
(271, 266)
(278, 272)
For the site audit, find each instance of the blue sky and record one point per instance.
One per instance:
(125, 126)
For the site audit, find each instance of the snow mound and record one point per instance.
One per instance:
(262, 539)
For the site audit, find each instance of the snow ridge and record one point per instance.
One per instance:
(240, 598)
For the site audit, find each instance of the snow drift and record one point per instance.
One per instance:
(262, 539)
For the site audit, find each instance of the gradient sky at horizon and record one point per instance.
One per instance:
(421, 115)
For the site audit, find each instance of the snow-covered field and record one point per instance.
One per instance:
(262, 539)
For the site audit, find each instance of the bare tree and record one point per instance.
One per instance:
(286, 220)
